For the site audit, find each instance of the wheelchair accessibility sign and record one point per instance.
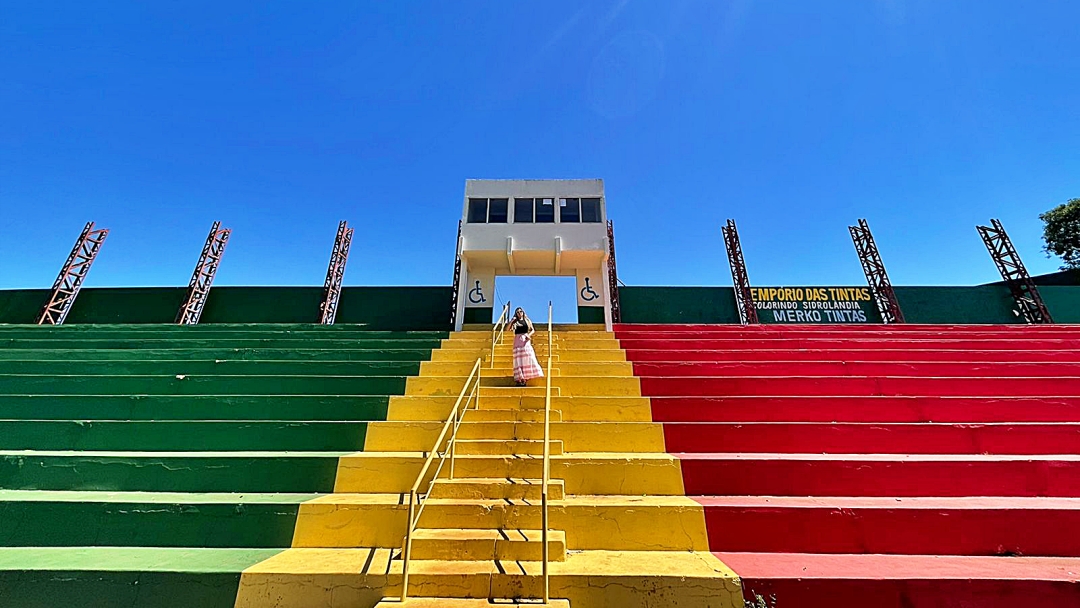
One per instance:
(589, 293)
(476, 294)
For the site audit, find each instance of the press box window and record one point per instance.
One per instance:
(569, 210)
(497, 210)
(545, 210)
(487, 211)
(590, 210)
(477, 210)
(523, 210)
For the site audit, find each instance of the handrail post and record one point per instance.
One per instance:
(453, 442)
(547, 467)
(408, 548)
(498, 330)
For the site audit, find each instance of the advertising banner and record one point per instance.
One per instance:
(814, 305)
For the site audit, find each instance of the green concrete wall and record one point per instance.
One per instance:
(975, 304)
(484, 316)
(590, 315)
(378, 307)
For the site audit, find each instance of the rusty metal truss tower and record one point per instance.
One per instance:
(457, 278)
(335, 274)
(203, 277)
(881, 288)
(70, 280)
(613, 275)
(1015, 275)
(743, 300)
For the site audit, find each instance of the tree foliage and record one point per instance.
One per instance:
(1061, 231)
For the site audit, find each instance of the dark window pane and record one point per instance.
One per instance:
(545, 211)
(569, 210)
(590, 210)
(477, 210)
(523, 210)
(497, 210)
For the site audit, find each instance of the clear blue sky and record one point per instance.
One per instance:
(794, 118)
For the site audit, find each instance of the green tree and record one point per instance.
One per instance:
(1061, 231)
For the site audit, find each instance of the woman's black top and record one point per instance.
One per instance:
(521, 327)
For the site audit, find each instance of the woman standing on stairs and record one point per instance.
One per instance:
(526, 367)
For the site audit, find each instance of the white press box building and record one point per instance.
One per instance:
(533, 228)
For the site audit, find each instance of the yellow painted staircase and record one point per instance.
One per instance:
(622, 534)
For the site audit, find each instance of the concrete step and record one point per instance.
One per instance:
(595, 408)
(180, 384)
(456, 544)
(811, 580)
(567, 386)
(479, 488)
(448, 602)
(205, 342)
(865, 408)
(623, 579)
(607, 523)
(356, 408)
(512, 447)
(1002, 526)
(505, 367)
(211, 367)
(505, 355)
(874, 437)
(607, 473)
(181, 435)
(142, 577)
(780, 385)
(179, 351)
(232, 471)
(147, 519)
(898, 475)
(511, 416)
(575, 436)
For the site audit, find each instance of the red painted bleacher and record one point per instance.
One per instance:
(887, 466)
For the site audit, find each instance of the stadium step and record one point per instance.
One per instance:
(876, 438)
(182, 435)
(482, 488)
(151, 577)
(990, 526)
(147, 519)
(765, 474)
(906, 581)
(470, 544)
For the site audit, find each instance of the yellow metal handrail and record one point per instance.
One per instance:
(547, 465)
(417, 501)
(498, 330)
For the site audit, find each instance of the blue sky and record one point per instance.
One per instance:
(795, 118)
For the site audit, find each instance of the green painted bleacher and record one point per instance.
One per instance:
(149, 465)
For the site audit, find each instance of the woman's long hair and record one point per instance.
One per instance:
(524, 317)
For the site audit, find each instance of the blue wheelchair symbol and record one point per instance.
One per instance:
(588, 294)
(476, 294)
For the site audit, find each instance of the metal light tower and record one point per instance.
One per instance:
(1015, 275)
(613, 275)
(70, 280)
(335, 274)
(881, 288)
(743, 300)
(203, 277)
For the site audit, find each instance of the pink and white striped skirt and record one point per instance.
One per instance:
(526, 367)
